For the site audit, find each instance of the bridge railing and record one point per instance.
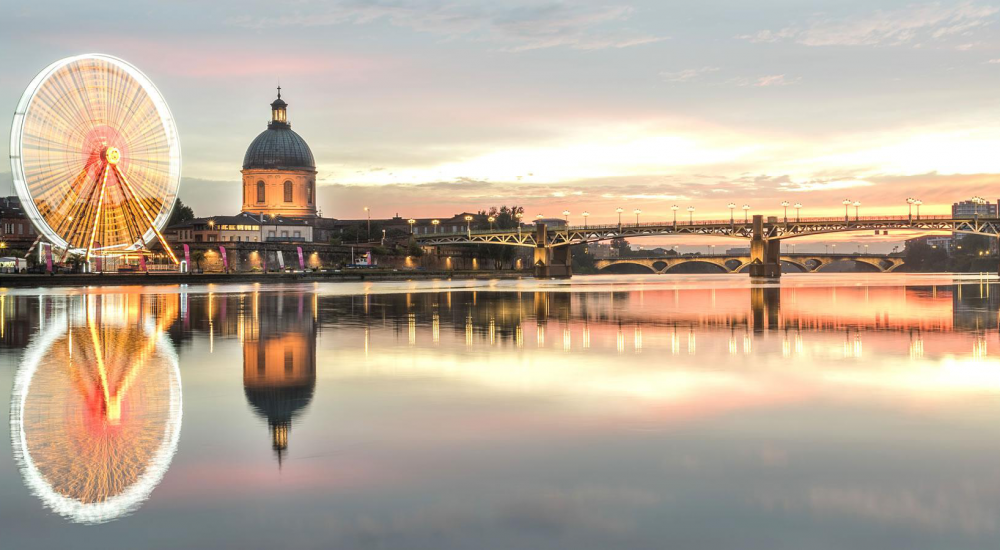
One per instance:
(700, 223)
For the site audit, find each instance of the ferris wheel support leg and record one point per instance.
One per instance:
(97, 214)
(149, 219)
(32, 247)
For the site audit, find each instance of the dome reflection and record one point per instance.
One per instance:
(96, 408)
(279, 361)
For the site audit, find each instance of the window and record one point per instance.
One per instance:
(284, 233)
(270, 233)
(297, 234)
(309, 191)
(260, 191)
(288, 191)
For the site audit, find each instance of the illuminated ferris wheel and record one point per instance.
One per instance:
(95, 156)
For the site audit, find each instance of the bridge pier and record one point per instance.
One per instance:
(551, 262)
(765, 254)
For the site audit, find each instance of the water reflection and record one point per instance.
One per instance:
(640, 416)
(96, 405)
(279, 360)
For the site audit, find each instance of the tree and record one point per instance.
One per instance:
(181, 213)
(504, 217)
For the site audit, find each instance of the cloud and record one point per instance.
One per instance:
(518, 28)
(910, 25)
(772, 80)
(687, 74)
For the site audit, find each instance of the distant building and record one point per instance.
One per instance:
(15, 227)
(944, 242)
(602, 251)
(243, 227)
(739, 251)
(973, 208)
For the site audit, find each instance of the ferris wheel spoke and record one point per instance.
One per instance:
(97, 214)
(149, 220)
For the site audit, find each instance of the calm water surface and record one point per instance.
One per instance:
(837, 411)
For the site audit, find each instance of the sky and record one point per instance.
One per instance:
(428, 108)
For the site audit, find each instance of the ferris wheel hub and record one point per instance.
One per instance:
(111, 155)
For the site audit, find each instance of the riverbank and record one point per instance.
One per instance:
(126, 279)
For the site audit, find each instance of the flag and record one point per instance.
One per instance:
(225, 260)
(302, 261)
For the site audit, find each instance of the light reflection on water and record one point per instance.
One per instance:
(627, 412)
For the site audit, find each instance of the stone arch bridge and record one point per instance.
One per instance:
(730, 263)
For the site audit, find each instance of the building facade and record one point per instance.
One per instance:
(976, 207)
(279, 171)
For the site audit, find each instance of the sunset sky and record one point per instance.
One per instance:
(430, 108)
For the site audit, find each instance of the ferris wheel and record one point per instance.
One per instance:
(95, 156)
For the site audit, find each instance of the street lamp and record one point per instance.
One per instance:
(857, 204)
(435, 223)
(909, 205)
(637, 212)
(847, 204)
(519, 215)
(585, 215)
(619, 210)
(674, 208)
(691, 215)
(746, 214)
(731, 207)
(368, 214)
(411, 221)
(491, 219)
(797, 207)
(918, 202)
(468, 224)
(866, 249)
(784, 204)
(566, 216)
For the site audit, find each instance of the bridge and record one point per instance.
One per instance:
(738, 263)
(552, 245)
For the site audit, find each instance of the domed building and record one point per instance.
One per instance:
(279, 171)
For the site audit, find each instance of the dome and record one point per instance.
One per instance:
(279, 149)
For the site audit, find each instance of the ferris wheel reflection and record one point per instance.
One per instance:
(96, 408)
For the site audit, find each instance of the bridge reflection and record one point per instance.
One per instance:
(96, 405)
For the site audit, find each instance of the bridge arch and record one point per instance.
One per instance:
(857, 265)
(627, 268)
(691, 266)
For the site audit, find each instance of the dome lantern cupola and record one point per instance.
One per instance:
(279, 112)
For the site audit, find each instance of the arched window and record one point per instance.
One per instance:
(288, 191)
(260, 191)
(309, 191)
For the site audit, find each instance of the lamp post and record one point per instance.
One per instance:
(566, 216)
(585, 215)
(746, 213)
(435, 223)
(619, 210)
(637, 212)
(797, 207)
(731, 207)
(847, 204)
(918, 202)
(784, 204)
(491, 219)
(857, 204)
(691, 215)
(519, 215)
(368, 214)
(468, 224)
(909, 206)
(674, 208)
(411, 221)
(866, 249)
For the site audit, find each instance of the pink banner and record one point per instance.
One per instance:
(302, 261)
(225, 260)
(187, 256)
(142, 262)
(48, 257)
